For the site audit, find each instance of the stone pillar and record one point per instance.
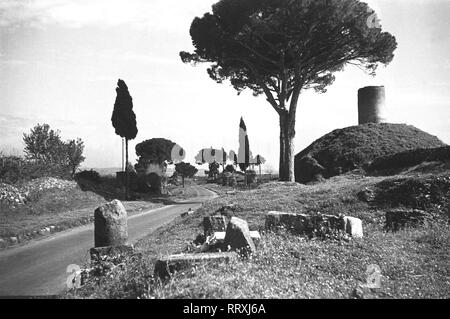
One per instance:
(371, 104)
(110, 225)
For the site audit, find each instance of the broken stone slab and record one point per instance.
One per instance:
(353, 227)
(298, 223)
(254, 234)
(212, 224)
(114, 254)
(110, 222)
(238, 238)
(400, 218)
(168, 265)
(314, 225)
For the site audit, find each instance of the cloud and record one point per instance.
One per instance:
(139, 14)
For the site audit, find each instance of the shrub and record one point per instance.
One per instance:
(230, 168)
(89, 175)
(430, 193)
(14, 169)
(409, 158)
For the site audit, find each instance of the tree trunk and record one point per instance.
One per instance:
(287, 135)
(127, 176)
(123, 167)
(182, 178)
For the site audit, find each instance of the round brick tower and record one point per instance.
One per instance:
(371, 104)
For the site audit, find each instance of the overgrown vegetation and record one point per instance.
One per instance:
(344, 150)
(414, 262)
(14, 169)
(387, 165)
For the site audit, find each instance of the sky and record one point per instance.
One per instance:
(60, 61)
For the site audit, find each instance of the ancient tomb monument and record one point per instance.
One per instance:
(371, 105)
(110, 232)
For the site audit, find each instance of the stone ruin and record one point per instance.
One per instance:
(226, 237)
(221, 241)
(111, 247)
(315, 225)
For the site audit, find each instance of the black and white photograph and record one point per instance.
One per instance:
(225, 154)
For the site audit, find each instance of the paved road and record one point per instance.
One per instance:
(39, 268)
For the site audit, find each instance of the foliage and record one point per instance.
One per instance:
(75, 156)
(185, 169)
(280, 47)
(155, 150)
(229, 168)
(213, 169)
(409, 158)
(89, 175)
(257, 43)
(15, 169)
(260, 160)
(123, 118)
(44, 145)
(427, 192)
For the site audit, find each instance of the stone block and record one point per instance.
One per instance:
(110, 221)
(256, 237)
(353, 227)
(212, 224)
(238, 238)
(187, 213)
(298, 223)
(168, 265)
(314, 225)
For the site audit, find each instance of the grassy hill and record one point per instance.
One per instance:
(355, 147)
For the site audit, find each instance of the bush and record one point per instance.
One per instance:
(229, 168)
(14, 169)
(430, 193)
(409, 158)
(90, 176)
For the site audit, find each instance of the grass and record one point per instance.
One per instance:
(354, 147)
(72, 207)
(414, 262)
